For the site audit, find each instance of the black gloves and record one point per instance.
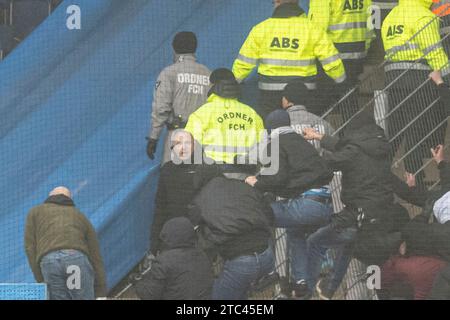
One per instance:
(151, 148)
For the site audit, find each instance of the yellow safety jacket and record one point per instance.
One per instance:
(345, 21)
(225, 128)
(287, 46)
(411, 34)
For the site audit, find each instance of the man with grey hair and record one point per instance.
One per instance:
(62, 249)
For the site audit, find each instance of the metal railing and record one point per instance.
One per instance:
(339, 116)
(344, 111)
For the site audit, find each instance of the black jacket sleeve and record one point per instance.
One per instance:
(413, 195)
(153, 284)
(279, 180)
(159, 215)
(340, 159)
(329, 142)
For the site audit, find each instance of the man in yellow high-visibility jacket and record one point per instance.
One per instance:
(286, 47)
(412, 42)
(225, 127)
(380, 10)
(345, 22)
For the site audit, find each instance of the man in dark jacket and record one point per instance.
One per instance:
(58, 237)
(180, 179)
(302, 180)
(379, 244)
(234, 221)
(181, 271)
(426, 247)
(362, 156)
(422, 238)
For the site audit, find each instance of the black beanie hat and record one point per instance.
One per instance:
(297, 93)
(276, 119)
(225, 84)
(221, 74)
(185, 42)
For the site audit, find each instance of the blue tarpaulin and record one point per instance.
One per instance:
(75, 108)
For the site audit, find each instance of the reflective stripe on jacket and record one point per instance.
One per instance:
(411, 32)
(287, 45)
(225, 128)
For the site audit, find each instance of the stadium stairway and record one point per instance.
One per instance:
(75, 108)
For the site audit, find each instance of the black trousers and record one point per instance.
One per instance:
(405, 124)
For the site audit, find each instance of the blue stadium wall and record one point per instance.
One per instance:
(75, 108)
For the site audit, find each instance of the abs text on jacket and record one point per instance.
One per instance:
(353, 5)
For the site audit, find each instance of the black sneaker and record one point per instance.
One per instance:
(267, 281)
(300, 291)
(323, 289)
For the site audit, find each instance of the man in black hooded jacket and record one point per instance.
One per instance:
(233, 221)
(182, 271)
(425, 248)
(302, 181)
(367, 193)
(433, 239)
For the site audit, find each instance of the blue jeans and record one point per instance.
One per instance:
(325, 238)
(239, 274)
(62, 281)
(300, 217)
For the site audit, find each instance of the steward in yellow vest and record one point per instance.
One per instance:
(286, 47)
(225, 127)
(345, 22)
(414, 50)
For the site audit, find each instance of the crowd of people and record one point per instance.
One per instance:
(231, 172)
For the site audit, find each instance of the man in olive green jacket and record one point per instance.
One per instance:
(62, 249)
